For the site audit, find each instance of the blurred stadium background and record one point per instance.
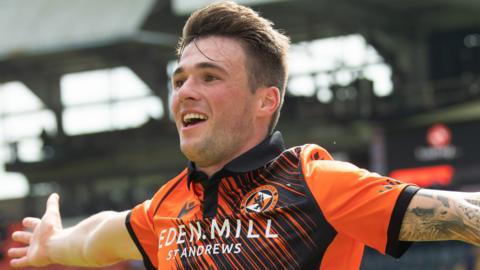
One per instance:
(392, 86)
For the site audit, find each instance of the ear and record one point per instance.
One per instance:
(269, 100)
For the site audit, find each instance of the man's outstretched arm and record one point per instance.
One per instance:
(442, 215)
(99, 240)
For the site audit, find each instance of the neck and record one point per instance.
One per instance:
(211, 170)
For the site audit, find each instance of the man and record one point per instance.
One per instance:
(245, 202)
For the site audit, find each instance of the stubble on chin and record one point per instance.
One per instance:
(200, 152)
(208, 152)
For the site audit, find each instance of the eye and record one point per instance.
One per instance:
(178, 83)
(210, 78)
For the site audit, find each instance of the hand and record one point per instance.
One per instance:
(37, 237)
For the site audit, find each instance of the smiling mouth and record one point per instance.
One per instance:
(191, 119)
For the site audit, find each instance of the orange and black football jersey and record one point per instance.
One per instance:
(271, 208)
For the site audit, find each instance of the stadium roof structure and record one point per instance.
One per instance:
(58, 36)
(55, 27)
(45, 39)
(46, 26)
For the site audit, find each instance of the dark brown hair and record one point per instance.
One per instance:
(265, 46)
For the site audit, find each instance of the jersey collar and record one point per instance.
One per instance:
(258, 156)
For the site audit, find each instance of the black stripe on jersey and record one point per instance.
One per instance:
(235, 193)
(298, 214)
(168, 193)
(146, 260)
(308, 223)
(210, 191)
(321, 223)
(178, 265)
(292, 155)
(396, 248)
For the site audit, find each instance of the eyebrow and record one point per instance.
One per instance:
(201, 65)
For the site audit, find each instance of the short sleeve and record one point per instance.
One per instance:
(140, 227)
(362, 205)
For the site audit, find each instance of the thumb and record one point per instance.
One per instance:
(52, 212)
(52, 203)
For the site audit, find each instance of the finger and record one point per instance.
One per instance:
(52, 203)
(17, 252)
(22, 237)
(21, 262)
(30, 222)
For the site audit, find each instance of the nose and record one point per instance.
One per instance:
(188, 91)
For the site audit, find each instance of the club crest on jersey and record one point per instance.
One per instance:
(261, 199)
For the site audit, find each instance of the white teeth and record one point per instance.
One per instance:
(189, 117)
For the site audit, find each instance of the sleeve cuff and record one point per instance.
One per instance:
(396, 248)
(146, 260)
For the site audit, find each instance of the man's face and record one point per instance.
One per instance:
(212, 103)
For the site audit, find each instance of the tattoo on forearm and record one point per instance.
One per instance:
(475, 202)
(444, 200)
(423, 212)
(442, 217)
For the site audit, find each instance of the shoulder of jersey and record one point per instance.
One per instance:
(169, 184)
(318, 157)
